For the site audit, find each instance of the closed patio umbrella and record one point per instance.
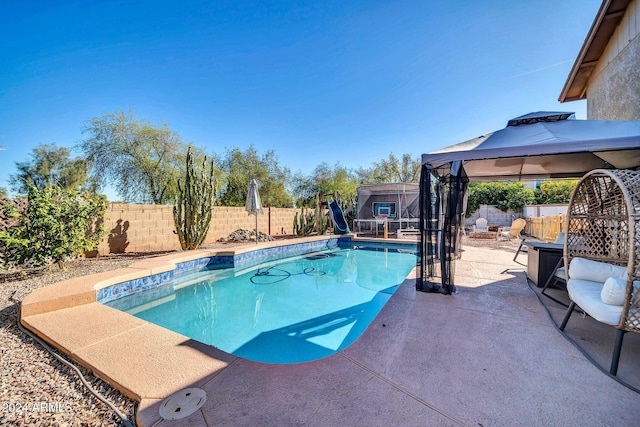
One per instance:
(253, 205)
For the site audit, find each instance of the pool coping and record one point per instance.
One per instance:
(83, 290)
(111, 342)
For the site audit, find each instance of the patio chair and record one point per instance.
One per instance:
(514, 231)
(559, 275)
(522, 239)
(520, 248)
(481, 225)
(602, 252)
(481, 230)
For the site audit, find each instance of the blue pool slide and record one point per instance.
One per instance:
(340, 224)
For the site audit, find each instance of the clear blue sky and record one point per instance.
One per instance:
(333, 81)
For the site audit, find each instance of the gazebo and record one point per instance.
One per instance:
(396, 202)
(534, 146)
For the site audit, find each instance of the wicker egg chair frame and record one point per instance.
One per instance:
(603, 224)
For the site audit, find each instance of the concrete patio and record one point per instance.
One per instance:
(488, 355)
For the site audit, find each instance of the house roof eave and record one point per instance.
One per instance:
(607, 19)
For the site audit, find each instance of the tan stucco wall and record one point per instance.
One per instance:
(613, 90)
(136, 228)
(614, 94)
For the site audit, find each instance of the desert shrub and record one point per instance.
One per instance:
(56, 226)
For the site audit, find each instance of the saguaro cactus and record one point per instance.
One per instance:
(192, 214)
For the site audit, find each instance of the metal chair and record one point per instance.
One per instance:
(519, 249)
(558, 277)
(521, 223)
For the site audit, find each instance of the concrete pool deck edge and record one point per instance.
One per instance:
(82, 290)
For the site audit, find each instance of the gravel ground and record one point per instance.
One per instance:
(38, 389)
(499, 243)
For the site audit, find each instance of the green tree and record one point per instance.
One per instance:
(242, 166)
(336, 179)
(304, 190)
(57, 225)
(504, 195)
(3, 193)
(325, 179)
(50, 165)
(392, 169)
(556, 191)
(143, 162)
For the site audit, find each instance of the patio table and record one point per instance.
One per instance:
(542, 260)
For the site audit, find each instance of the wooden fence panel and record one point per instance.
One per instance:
(545, 228)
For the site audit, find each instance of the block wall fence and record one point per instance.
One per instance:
(146, 228)
(493, 215)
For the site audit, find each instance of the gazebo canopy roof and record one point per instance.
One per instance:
(545, 145)
(390, 188)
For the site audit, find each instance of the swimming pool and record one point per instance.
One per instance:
(291, 310)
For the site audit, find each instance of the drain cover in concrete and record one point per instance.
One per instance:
(182, 403)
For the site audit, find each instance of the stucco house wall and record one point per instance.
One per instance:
(613, 90)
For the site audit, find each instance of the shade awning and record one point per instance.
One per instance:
(545, 149)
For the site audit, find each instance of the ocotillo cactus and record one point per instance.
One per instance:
(192, 214)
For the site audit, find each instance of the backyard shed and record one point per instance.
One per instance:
(533, 146)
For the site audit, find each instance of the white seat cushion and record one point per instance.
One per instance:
(613, 291)
(595, 271)
(586, 294)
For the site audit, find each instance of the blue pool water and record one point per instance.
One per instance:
(287, 311)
